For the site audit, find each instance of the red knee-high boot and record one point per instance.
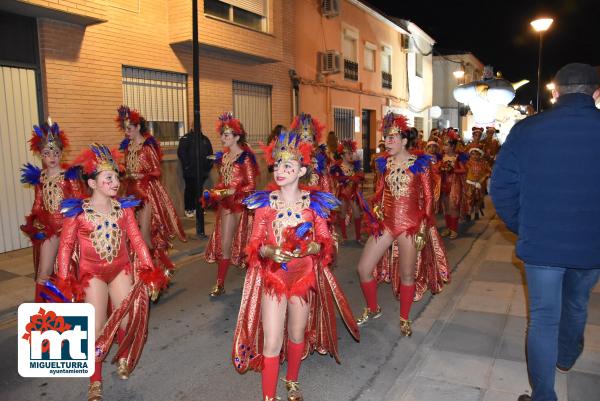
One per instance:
(294, 358)
(357, 226)
(97, 376)
(270, 373)
(453, 224)
(369, 290)
(38, 293)
(222, 271)
(407, 296)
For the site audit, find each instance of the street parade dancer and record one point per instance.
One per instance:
(453, 181)
(433, 150)
(102, 231)
(289, 256)
(238, 171)
(52, 184)
(310, 131)
(405, 247)
(348, 173)
(478, 171)
(156, 215)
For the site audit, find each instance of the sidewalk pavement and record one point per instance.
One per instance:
(470, 343)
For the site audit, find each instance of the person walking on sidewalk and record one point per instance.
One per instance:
(548, 198)
(194, 149)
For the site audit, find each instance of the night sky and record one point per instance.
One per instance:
(498, 33)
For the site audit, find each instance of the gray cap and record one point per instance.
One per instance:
(577, 74)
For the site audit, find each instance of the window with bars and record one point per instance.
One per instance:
(343, 123)
(161, 97)
(418, 64)
(249, 13)
(419, 123)
(252, 105)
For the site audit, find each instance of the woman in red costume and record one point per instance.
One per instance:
(237, 179)
(433, 150)
(310, 131)
(290, 251)
(403, 203)
(478, 171)
(103, 230)
(157, 217)
(453, 177)
(348, 174)
(52, 184)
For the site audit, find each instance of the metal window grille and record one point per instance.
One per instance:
(350, 70)
(161, 97)
(252, 105)
(386, 80)
(343, 123)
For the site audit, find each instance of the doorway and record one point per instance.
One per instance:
(368, 118)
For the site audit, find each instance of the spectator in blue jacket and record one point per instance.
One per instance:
(546, 187)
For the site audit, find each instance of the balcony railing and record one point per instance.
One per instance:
(350, 70)
(386, 80)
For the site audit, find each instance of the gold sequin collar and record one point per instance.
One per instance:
(106, 235)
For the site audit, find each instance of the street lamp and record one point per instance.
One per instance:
(459, 75)
(540, 25)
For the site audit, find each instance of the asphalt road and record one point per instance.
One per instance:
(187, 356)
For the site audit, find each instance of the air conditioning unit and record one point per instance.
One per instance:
(330, 8)
(329, 62)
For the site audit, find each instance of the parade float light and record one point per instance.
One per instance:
(459, 74)
(550, 86)
(540, 25)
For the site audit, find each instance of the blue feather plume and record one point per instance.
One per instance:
(124, 144)
(303, 228)
(71, 207)
(129, 202)
(30, 174)
(218, 157)
(73, 173)
(257, 200)
(463, 157)
(321, 162)
(39, 236)
(381, 164)
(49, 285)
(357, 165)
(421, 164)
(38, 131)
(323, 202)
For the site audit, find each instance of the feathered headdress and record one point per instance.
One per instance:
(347, 145)
(127, 116)
(288, 146)
(98, 158)
(393, 124)
(47, 135)
(228, 123)
(309, 128)
(452, 136)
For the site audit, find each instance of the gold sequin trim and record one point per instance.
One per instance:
(106, 236)
(287, 215)
(399, 176)
(132, 160)
(52, 192)
(227, 167)
(347, 170)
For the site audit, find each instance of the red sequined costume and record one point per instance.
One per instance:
(349, 180)
(310, 273)
(45, 219)
(104, 245)
(477, 173)
(405, 197)
(436, 178)
(142, 180)
(238, 174)
(453, 180)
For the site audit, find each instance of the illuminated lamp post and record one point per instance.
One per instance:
(540, 25)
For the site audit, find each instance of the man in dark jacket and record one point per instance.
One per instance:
(193, 148)
(545, 186)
